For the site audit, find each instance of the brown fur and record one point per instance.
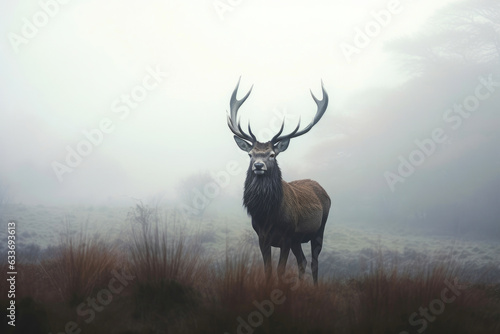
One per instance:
(302, 200)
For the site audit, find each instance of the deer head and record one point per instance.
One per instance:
(263, 155)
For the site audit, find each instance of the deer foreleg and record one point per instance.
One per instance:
(265, 249)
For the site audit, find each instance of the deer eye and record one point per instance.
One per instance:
(272, 155)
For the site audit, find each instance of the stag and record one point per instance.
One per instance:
(284, 214)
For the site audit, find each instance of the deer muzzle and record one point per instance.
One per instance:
(259, 168)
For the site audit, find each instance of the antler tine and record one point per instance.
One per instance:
(250, 131)
(322, 105)
(232, 118)
(275, 138)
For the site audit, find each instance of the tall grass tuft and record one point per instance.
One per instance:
(167, 267)
(82, 264)
(238, 278)
(158, 253)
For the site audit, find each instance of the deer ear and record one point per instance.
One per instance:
(244, 145)
(281, 146)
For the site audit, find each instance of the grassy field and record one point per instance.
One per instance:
(349, 248)
(143, 270)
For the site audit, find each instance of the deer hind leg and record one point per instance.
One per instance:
(301, 258)
(316, 245)
(285, 250)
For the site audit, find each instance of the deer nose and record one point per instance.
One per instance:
(258, 165)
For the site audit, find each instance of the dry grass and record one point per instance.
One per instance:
(156, 256)
(83, 265)
(178, 289)
(169, 271)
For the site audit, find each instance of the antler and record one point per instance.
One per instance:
(233, 122)
(322, 105)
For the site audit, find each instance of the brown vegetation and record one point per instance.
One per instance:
(173, 287)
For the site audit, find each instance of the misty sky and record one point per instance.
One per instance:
(155, 78)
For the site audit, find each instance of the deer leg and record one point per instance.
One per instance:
(265, 249)
(316, 245)
(285, 250)
(301, 258)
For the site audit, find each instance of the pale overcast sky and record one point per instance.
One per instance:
(66, 68)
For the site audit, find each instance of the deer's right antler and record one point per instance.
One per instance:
(232, 118)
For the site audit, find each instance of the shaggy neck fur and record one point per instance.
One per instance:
(263, 193)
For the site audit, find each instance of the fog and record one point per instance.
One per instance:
(105, 103)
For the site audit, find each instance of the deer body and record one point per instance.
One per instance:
(284, 214)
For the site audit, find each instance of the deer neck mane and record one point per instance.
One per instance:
(263, 194)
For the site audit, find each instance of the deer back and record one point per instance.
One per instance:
(304, 204)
